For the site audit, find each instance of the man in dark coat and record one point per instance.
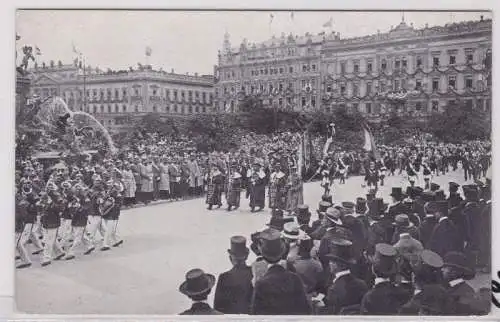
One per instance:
(456, 270)
(398, 206)
(346, 291)
(454, 198)
(233, 293)
(384, 298)
(278, 292)
(426, 228)
(426, 272)
(197, 286)
(472, 213)
(444, 237)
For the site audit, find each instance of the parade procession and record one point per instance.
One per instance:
(331, 212)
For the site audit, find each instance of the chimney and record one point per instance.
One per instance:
(482, 17)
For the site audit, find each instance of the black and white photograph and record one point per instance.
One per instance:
(253, 162)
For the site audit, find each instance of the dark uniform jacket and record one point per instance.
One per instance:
(383, 299)
(233, 293)
(461, 297)
(346, 291)
(398, 208)
(279, 292)
(200, 308)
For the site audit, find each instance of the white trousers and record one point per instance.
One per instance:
(96, 224)
(65, 232)
(111, 236)
(52, 247)
(21, 249)
(79, 239)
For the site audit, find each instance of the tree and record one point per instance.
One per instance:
(459, 122)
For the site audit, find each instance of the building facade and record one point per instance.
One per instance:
(413, 72)
(115, 98)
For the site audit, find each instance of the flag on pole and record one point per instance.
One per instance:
(37, 51)
(327, 145)
(329, 23)
(292, 15)
(148, 51)
(369, 145)
(271, 17)
(75, 50)
(18, 37)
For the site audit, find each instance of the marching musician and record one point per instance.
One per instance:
(111, 215)
(51, 220)
(427, 173)
(342, 166)
(382, 170)
(233, 187)
(78, 210)
(411, 172)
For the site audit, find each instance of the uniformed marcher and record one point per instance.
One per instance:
(256, 186)
(277, 186)
(111, 217)
(51, 220)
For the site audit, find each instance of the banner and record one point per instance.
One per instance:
(369, 145)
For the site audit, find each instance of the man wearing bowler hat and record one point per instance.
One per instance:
(346, 291)
(454, 198)
(197, 286)
(384, 298)
(318, 227)
(381, 229)
(233, 293)
(278, 292)
(403, 225)
(303, 218)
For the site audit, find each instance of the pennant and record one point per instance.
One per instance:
(149, 51)
(369, 145)
(328, 24)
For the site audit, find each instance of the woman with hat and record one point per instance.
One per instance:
(234, 184)
(197, 287)
(257, 186)
(215, 186)
(233, 293)
(278, 292)
(146, 172)
(129, 185)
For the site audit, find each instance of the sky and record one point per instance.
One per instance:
(188, 41)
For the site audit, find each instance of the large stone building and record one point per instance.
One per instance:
(117, 97)
(414, 72)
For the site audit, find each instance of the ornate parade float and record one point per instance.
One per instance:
(46, 129)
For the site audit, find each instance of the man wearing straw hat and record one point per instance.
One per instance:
(197, 287)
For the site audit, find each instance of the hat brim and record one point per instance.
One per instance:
(285, 235)
(332, 257)
(335, 221)
(184, 286)
(465, 270)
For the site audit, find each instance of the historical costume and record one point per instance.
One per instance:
(257, 186)
(215, 187)
(277, 186)
(164, 184)
(111, 216)
(233, 192)
(382, 170)
(371, 177)
(295, 191)
(129, 185)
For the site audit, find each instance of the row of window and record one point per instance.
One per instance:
(402, 62)
(306, 84)
(269, 71)
(96, 109)
(109, 94)
(397, 84)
